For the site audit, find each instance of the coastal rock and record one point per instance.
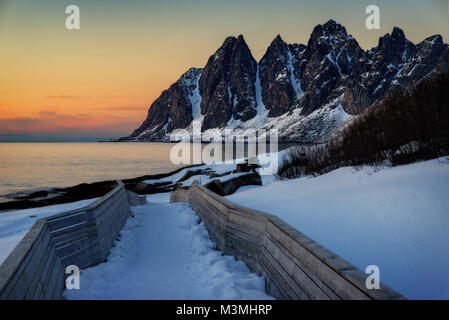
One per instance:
(230, 186)
(34, 195)
(191, 173)
(151, 188)
(245, 167)
(141, 187)
(83, 191)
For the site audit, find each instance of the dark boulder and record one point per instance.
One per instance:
(34, 195)
(151, 188)
(230, 186)
(245, 167)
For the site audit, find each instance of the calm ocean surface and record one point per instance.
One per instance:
(39, 165)
(30, 166)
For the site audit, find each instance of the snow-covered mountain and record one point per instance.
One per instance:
(305, 91)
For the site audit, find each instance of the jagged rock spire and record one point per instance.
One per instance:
(227, 84)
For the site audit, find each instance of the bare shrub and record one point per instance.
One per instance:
(406, 126)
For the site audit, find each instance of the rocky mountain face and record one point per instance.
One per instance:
(280, 86)
(227, 85)
(306, 92)
(395, 61)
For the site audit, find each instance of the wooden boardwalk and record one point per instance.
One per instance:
(36, 267)
(295, 266)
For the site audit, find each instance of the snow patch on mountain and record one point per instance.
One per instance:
(193, 93)
(295, 82)
(261, 109)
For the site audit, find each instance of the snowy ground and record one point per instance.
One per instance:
(396, 218)
(165, 253)
(15, 224)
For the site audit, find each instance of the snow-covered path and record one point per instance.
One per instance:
(164, 253)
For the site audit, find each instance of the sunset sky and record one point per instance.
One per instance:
(99, 81)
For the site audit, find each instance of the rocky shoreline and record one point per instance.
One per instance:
(54, 196)
(83, 191)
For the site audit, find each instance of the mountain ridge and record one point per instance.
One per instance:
(307, 92)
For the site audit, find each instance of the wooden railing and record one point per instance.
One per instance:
(295, 266)
(83, 237)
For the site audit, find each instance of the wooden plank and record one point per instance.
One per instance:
(59, 286)
(18, 286)
(294, 275)
(51, 285)
(119, 210)
(341, 286)
(65, 239)
(245, 233)
(272, 280)
(222, 200)
(246, 241)
(17, 259)
(207, 215)
(212, 204)
(83, 257)
(104, 212)
(106, 197)
(43, 264)
(283, 278)
(300, 271)
(115, 223)
(38, 291)
(69, 220)
(77, 245)
(73, 228)
(54, 268)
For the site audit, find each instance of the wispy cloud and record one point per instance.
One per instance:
(63, 96)
(127, 108)
(53, 123)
